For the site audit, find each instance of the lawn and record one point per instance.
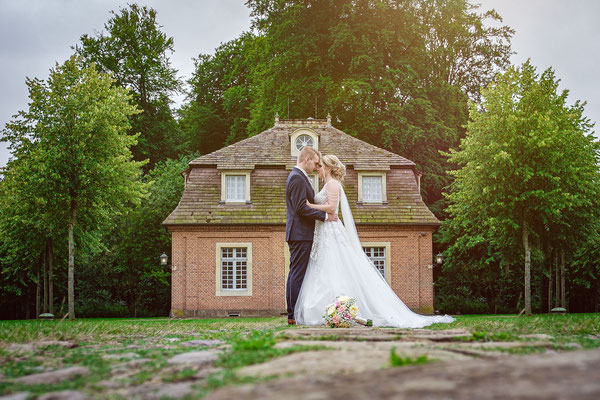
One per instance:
(105, 345)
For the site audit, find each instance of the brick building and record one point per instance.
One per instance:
(229, 253)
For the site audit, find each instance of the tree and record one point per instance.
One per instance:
(527, 170)
(217, 108)
(75, 135)
(135, 51)
(396, 74)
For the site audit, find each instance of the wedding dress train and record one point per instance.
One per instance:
(338, 266)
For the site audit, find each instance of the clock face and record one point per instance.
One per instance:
(303, 141)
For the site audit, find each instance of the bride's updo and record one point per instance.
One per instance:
(338, 170)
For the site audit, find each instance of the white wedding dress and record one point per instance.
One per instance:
(338, 266)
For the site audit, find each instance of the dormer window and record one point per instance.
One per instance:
(235, 187)
(301, 138)
(372, 187)
(304, 140)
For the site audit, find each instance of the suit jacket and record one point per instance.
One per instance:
(300, 222)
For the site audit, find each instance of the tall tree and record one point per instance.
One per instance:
(394, 73)
(217, 108)
(527, 168)
(136, 52)
(76, 134)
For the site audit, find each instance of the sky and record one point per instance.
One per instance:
(36, 34)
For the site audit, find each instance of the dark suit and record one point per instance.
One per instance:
(299, 232)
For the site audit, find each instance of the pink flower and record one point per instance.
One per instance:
(342, 308)
(337, 303)
(336, 319)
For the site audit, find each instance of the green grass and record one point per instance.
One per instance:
(556, 325)
(397, 361)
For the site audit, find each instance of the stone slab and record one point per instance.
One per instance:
(65, 395)
(565, 375)
(343, 357)
(53, 376)
(206, 343)
(15, 396)
(195, 357)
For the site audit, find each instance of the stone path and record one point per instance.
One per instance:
(357, 366)
(352, 363)
(572, 375)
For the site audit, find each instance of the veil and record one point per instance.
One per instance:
(350, 227)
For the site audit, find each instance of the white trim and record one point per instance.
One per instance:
(382, 174)
(387, 245)
(224, 175)
(303, 131)
(235, 292)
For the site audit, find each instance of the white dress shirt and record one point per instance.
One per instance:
(310, 180)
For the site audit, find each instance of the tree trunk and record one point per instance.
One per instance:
(557, 280)
(527, 269)
(50, 273)
(550, 282)
(45, 272)
(563, 299)
(37, 293)
(71, 270)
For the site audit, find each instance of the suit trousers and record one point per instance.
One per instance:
(299, 255)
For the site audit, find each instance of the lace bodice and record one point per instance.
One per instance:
(326, 231)
(321, 198)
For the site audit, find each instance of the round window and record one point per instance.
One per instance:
(304, 140)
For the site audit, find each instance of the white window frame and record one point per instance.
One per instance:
(219, 278)
(224, 175)
(299, 132)
(381, 174)
(387, 267)
(314, 178)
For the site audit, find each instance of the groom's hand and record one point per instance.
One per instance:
(332, 217)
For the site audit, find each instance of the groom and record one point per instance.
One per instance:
(300, 223)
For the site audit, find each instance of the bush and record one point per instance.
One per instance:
(455, 304)
(97, 308)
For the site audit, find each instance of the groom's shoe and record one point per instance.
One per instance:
(291, 321)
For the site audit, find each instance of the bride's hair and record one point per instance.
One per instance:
(338, 170)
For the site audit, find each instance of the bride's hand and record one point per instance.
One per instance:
(308, 203)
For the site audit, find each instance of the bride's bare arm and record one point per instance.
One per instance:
(332, 189)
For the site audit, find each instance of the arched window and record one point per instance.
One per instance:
(301, 138)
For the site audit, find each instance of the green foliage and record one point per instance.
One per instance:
(135, 51)
(395, 74)
(527, 164)
(127, 270)
(73, 148)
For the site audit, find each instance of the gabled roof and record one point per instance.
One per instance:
(269, 155)
(272, 147)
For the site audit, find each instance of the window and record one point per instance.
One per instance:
(372, 187)
(302, 141)
(377, 257)
(315, 182)
(379, 254)
(235, 186)
(301, 138)
(234, 269)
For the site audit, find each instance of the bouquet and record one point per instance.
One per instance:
(343, 312)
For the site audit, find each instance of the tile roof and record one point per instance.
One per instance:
(268, 155)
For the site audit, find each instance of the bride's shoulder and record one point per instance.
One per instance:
(333, 185)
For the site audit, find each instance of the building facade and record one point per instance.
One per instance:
(229, 256)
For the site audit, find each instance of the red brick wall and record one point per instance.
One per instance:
(194, 276)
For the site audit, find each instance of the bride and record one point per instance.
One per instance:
(338, 266)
